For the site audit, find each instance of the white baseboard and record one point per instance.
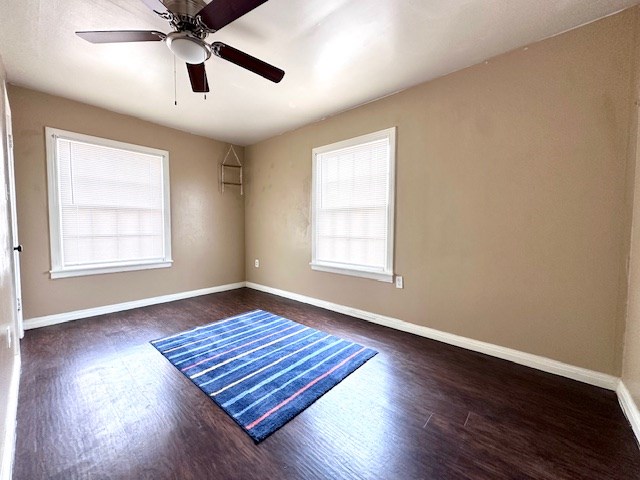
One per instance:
(530, 360)
(47, 320)
(629, 408)
(9, 444)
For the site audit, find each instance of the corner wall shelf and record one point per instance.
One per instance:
(237, 166)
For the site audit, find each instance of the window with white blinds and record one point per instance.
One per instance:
(352, 206)
(108, 205)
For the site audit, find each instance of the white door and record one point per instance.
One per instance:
(17, 248)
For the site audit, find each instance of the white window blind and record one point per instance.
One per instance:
(108, 205)
(353, 206)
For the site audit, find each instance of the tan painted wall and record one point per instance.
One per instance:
(207, 227)
(631, 363)
(512, 219)
(8, 357)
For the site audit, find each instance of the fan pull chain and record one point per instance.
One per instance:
(175, 83)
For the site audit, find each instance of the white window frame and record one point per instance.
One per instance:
(385, 274)
(58, 270)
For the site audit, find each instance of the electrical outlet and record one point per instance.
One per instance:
(399, 281)
(256, 263)
(8, 332)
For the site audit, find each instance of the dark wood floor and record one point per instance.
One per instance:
(98, 401)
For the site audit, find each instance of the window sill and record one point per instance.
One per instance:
(100, 269)
(374, 275)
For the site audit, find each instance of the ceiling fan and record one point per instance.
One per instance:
(192, 21)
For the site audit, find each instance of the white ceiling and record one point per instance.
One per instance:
(337, 54)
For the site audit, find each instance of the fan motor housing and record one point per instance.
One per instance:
(185, 7)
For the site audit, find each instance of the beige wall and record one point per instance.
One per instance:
(631, 364)
(8, 357)
(512, 205)
(512, 218)
(205, 223)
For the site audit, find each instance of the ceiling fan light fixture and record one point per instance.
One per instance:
(188, 48)
(192, 21)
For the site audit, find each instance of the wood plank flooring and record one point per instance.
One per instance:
(97, 401)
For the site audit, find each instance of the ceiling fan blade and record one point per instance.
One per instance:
(155, 5)
(222, 12)
(198, 77)
(245, 60)
(117, 36)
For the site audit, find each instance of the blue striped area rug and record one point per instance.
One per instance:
(260, 368)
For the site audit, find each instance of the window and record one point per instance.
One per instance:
(352, 206)
(108, 205)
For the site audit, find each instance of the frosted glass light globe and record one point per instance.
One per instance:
(188, 48)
